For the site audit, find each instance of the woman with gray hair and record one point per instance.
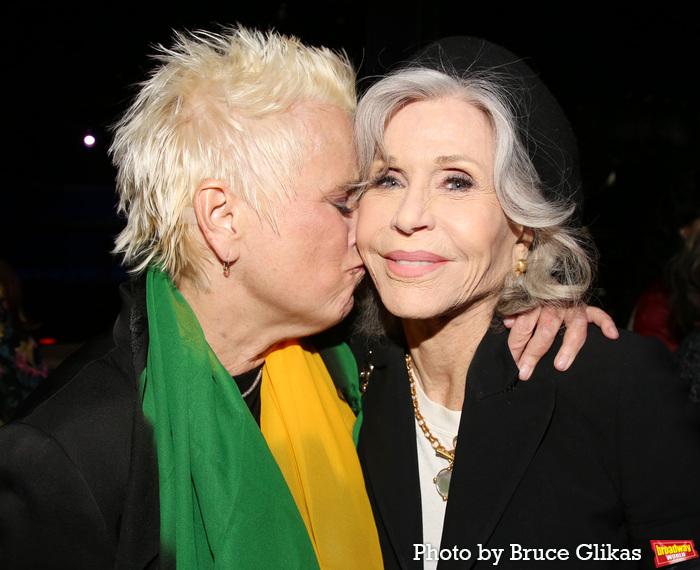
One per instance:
(467, 215)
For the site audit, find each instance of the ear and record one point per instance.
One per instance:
(525, 237)
(218, 214)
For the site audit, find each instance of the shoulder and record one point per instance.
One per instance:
(629, 355)
(629, 343)
(82, 415)
(631, 362)
(47, 510)
(84, 410)
(97, 380)
(74, 453)
(628, 383)
(623, 398)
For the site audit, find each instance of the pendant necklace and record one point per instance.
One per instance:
(444, 476)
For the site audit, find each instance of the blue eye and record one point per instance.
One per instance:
(385, 181)
(459, 183)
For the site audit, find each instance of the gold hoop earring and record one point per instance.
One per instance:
(227, 268)
(521, 267)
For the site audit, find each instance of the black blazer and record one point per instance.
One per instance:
(78, 471)
(607, 453)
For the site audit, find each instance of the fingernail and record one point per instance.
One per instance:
(508, 321)
(563, 362)
(614, 331)
(525, 372)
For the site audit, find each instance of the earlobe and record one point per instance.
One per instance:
(527, 236)
(217, 212)
(523, 244)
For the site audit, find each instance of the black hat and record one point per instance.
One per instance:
(544, 129)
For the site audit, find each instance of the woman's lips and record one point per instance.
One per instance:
(413, 263)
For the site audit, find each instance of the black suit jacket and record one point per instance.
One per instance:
(607, 453)
(78, 471)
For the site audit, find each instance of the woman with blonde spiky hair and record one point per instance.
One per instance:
(234, 165)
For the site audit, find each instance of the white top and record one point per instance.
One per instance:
(444, 425)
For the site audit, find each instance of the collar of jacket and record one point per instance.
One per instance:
(131, 326)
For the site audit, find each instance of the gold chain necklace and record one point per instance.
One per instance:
(444, 476)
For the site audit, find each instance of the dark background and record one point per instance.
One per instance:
(626, 77)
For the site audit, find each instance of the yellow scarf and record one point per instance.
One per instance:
(310, 436)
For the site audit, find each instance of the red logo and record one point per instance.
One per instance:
(668, 552)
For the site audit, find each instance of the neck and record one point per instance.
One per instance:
(238, 334)
(442, 350)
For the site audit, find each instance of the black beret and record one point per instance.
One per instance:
(543, 127)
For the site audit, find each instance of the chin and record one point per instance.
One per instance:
(413, 314)
(411, 308)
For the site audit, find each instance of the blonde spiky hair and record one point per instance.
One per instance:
(217, 107)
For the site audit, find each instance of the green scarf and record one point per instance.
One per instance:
(342, 366)
(223, 500)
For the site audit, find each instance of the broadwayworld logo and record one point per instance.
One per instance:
(668, 552)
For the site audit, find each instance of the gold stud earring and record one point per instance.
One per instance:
(521, 267)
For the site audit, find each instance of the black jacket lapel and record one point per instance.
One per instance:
(503, 422)
(387, 449)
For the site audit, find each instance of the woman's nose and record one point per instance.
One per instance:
(413, 213)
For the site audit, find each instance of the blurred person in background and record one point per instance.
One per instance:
(684, 314)
(662, 310)
(22, 367)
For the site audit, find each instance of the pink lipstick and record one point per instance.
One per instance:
(410, 264)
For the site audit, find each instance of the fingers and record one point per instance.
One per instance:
(576, 322)
(603, 320)
(548, 325)
(521, 327)
(533, 333)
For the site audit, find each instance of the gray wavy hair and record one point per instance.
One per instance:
(561, 258)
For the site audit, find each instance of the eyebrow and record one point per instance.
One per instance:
(385, 165)
(452, 158)
(440, 161)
